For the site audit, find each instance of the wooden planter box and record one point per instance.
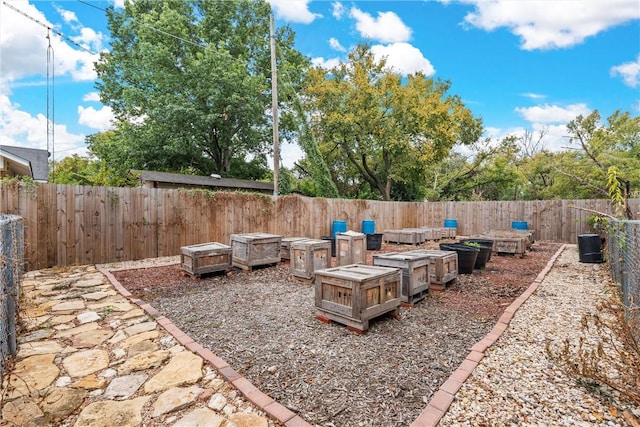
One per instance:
(285, 246)
(443, 267)
(415, 273)
(400, 236)
(449, 232)
(309, 255)
(205, 258)
(508, 242)
(354, 294)
(252, 249)
(420, 236)
(351, 248)
(431, 233)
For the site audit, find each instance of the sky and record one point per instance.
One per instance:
(520, 65)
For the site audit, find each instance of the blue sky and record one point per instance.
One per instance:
(520, 65)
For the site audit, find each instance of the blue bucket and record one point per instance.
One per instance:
(519, 225)
(451, 223)
(368, 226)
(338, 227)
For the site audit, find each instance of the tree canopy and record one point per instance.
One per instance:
(380, 132)
(189, 84)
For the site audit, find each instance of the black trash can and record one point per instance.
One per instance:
(590, 248)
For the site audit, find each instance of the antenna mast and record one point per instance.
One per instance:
(51, 103)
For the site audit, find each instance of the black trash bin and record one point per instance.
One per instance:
(590, 248)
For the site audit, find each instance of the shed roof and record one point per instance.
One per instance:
(35, 158)
(203, 181)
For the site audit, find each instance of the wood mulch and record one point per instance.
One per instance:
(263, 323)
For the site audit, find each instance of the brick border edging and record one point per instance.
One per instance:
(442, 399)
(263, 401)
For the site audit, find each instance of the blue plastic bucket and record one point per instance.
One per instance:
(451, 223)
(368, 226)
(519, 225)
(338, 227)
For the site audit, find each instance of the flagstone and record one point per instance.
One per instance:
(38, 347)
(60, 402)
(201, 417)
(124, 387)
(144, 360)
(86, 362)
(68, 306)
(109, 413)
(175, 399)
(23, 411)
(140, 327)
(88, 316)
(183, 368)
(140, 337)
(95, 296)
(77, 330)
(31, 374)
(92, 338)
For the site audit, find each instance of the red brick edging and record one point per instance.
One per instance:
(442, 399)
(263, 401)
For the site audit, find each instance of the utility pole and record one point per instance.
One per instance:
(274, 107)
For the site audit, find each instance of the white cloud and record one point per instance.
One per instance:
(327, 64)
(21, 129)
(555, 136)
(549, 25)
(294, 11)
(629, 71)
(403, 58)
(335, 45)
(546, 114)
(386, 28)
(91, 96)
(535, 96)
(68, 16)
(290, 154)
(337, 10)
(23, 45)
(96, 119)
(90, 40)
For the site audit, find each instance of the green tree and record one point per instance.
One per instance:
(379, 132)
(189, 84)
(79, 170)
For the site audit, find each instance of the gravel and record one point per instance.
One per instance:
(263, 324)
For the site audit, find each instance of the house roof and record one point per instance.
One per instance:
(35, 159)
(203, 181)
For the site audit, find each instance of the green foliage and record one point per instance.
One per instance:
(78, 170)
(378, 131)
(195, 101)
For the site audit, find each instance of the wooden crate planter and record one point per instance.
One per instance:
(508, 242)
(351, 248)
(253, 249)
(401, 236)
(443, 267)
(285, 246)
(205, 258)
(415, 273)
(354, 294)
(431, 233)
(309, 255)
(420, 236)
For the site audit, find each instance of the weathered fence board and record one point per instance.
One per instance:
(67, 225)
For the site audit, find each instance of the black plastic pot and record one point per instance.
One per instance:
(374, 241)
(483, 242)
(333, 244)
(467, 256)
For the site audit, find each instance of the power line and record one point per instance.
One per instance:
(148, 26)
(48, 27)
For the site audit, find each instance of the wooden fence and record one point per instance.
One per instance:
(75, 225)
